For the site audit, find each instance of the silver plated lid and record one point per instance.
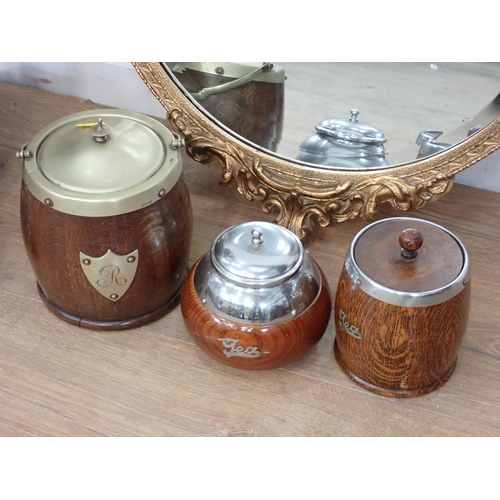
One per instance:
(101, 163)
(345, 143)
(352, 130)
(257, 273)
(106, 157)
(258, 254)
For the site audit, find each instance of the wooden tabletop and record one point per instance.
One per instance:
(60, 380)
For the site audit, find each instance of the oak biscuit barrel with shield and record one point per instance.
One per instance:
(402, 307)
(106, 218)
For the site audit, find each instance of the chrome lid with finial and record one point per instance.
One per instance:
(345, 143)
(257, 272)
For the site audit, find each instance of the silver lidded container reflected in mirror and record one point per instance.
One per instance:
(345, 143)
(257, 299)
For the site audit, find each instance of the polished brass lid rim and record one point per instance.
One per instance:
(109, 203)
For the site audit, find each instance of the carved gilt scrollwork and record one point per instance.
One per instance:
(301, 192)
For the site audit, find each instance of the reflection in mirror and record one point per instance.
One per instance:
(304, 195)
(345, 143)
(355, 115)
(246, 97)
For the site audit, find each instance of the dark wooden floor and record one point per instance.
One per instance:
(59, 380)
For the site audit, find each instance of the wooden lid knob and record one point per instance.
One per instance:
(396, 266)
(410, 241)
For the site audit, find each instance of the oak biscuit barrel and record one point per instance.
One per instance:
(402, 307)
(256, 300)
(248, 98)
(106, 218)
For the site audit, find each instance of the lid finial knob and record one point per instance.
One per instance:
(257, 238)
(354, 115)
(100, 131)
(410, 240)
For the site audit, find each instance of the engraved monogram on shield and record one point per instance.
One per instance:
(111, 274)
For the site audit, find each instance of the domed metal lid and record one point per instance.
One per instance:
(351, 130)
(102, 162)
(96, 156)
(257, 254)
(407, 261)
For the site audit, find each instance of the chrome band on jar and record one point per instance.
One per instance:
(244, 279)
(402, 298)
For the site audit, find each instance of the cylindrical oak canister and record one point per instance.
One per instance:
(256, 300)
(402, 307)
(106, 218)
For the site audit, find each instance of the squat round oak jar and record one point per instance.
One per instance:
(256, 300)
(402, 307)
(106, 218)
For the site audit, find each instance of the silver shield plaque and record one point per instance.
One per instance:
(111, 274)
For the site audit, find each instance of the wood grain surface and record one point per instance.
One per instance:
(278, 344)
(161, 234)
(60, 380)
(398, 351)
(435, 264)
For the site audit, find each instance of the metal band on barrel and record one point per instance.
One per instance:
(401, 298)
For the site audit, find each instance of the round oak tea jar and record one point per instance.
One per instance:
(402, 307)
(106, 218)
(256, 300)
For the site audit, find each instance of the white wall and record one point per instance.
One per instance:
(114, 84)
(117, 84)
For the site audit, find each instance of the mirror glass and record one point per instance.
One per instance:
(348, 115)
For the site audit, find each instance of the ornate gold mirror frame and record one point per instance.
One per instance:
(301, 192)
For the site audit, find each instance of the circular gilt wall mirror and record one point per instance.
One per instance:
(343, 147)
